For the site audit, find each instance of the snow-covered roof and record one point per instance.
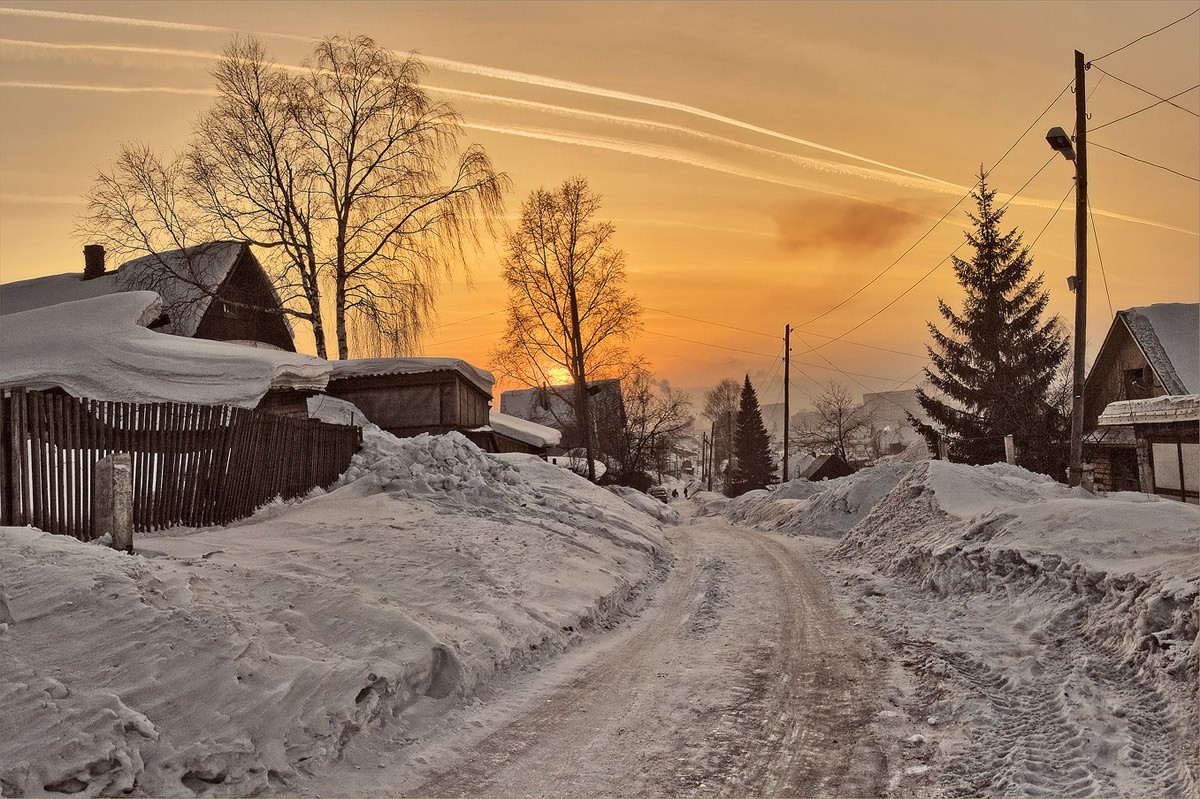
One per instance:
(1169, 336)
(185, 279)
(99, 348)
(532, 433)
(1171, 408)
(375, 367)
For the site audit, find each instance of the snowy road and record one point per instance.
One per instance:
(739, 677)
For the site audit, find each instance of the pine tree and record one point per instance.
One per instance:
(997, 359)
(751, 445)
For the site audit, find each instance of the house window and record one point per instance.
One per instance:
(1138, 383)
(1176, 470)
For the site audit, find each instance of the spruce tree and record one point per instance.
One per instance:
(751, 445)
(993, 366)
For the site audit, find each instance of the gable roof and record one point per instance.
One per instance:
(377, 367)
(1168, 334)
(552, 405)
(185, 279)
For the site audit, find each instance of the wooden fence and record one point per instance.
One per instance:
(193, 465)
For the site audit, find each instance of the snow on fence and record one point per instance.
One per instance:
(193, 465)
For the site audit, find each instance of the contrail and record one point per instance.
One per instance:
(818, 164)
(926, 183)
(682, 157)
(19, 84)
(526, 78)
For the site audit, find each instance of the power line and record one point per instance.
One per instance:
(1142, 161)
(768, 335)
(706, 344)
(1152, 94)
(1103, 274)
(947, 214)
(1145, 36)
(708, 322)
(923, 277)
(1051, 219)
(468, 319)
(464, 338)
(1147, 108)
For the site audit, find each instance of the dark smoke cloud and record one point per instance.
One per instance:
(847, 225)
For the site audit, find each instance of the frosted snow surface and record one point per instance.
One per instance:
(1167, 408)
(532, 433)
(99, 348)
(225, 661)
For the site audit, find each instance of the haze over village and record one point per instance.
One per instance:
(604, 398)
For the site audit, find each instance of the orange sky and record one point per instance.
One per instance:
(761, 162)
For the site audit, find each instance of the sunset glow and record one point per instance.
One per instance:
(795, 163)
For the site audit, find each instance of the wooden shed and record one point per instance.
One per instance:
(410, 396)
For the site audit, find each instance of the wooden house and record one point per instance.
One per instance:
(1148, 353)
(410, 396)
(216, 290)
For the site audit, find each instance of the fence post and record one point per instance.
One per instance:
(1010, 450)
(112, 499)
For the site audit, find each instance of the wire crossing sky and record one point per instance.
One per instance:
(806, 163)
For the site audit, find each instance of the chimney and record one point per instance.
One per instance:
(93, 261)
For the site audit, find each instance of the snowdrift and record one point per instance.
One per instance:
(1131, 557)
(827, 508)
(224, 661)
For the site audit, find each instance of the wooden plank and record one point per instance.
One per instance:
(22, 456)
(191, 459)
(228, 467)
(67, 458)
(6, 496)
(207, 470)
(40, 511)
(87, 459)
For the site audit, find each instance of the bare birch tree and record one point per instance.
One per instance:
(568, 309)
(345, 170)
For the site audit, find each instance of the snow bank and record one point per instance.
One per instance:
(100, 348)
(827, 508)
(957, 528)
(223, 661)
(1048, 635)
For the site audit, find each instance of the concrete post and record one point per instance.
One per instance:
(1010, 450)
(1145, 470)
(112, 500)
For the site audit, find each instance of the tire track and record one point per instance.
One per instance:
(740, 678)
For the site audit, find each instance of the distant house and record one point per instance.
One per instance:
(410, 396)
(217, 291)
(552, 406)
(826, 467)
(1149, 352)
(890, 430)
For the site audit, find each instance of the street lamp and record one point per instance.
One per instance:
(1060, 142)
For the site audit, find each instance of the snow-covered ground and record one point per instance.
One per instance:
(1045, 638)
(224, 661)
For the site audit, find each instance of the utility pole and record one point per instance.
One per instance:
(787, 385)
(1081, 179)
(712, 458)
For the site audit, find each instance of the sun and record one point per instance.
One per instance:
(558, 376)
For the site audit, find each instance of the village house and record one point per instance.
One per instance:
(552, 406)
(1140, 418)
(216, 290)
